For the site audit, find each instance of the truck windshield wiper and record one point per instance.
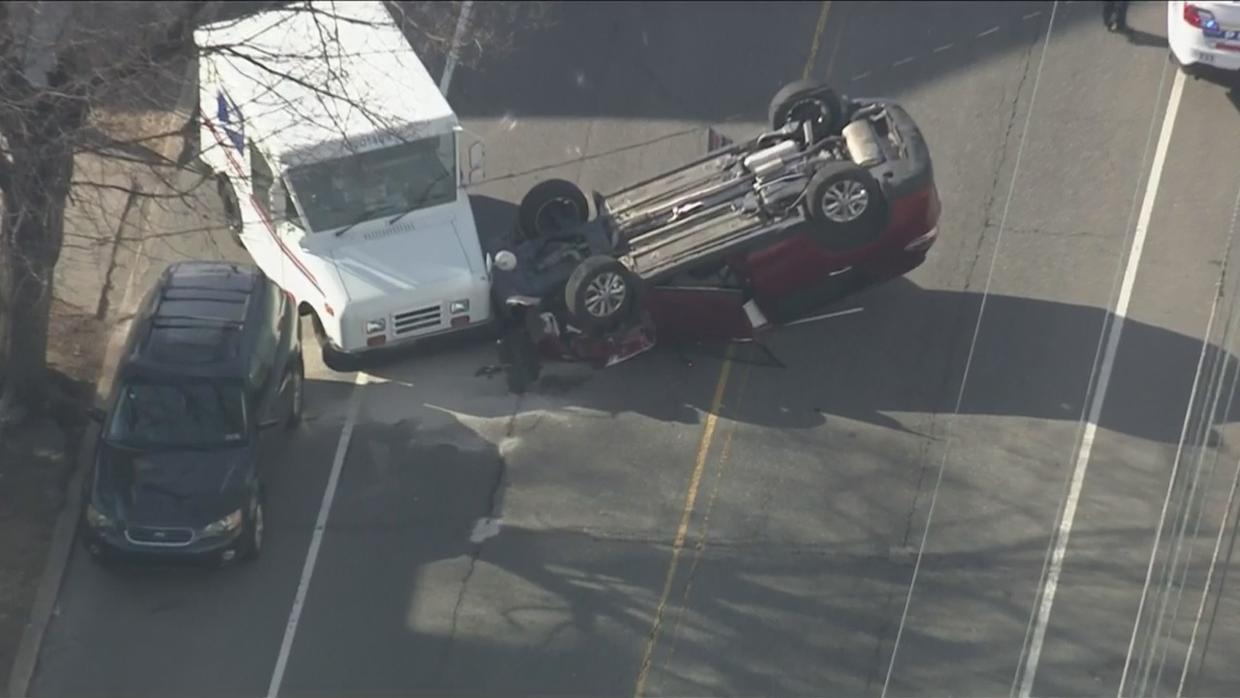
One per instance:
(363, 217)
(421, 199)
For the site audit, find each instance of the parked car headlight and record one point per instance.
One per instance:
(458, 307)
(96, 518)
(376, 326)
(225, 525)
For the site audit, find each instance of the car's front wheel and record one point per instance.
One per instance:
(846, 206)
(254, 531)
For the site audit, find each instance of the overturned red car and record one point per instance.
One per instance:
(839, 194)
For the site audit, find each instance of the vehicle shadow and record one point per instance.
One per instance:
(906, 352)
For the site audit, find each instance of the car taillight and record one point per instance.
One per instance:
(1202, 19)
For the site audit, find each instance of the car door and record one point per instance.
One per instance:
(286, 364)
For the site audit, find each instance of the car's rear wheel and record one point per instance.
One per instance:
(807, 100)
(845, 206)
(600, 293)
(552, 206)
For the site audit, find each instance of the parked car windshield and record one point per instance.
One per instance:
(383, 182)
(180, 414)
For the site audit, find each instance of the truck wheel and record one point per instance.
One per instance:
(552, 205)
(231, 205)
(600, 293)
(846, 206)
(807, 99)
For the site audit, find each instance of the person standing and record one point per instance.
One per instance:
(1115, 14)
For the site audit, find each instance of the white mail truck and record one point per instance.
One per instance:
(337, 160)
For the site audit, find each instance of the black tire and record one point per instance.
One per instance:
(601, 293)
(550, 206)
(100, 555)
(255, 526)
(298, 396)
(802, 98)
(846, 206)
(231, 205)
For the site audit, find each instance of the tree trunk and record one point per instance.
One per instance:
(30, 239)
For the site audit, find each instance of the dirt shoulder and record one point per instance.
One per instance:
(36, 464)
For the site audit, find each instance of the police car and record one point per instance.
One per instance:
(1205, 34)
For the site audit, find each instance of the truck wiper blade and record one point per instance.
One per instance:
(418, 202)
(363, 217)
(399, 216)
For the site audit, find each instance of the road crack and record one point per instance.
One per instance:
(491, 512)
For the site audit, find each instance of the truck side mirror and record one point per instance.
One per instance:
(476, 167)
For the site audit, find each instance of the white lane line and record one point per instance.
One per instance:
(449, 67)
(1104, 378)
(861, 76)
(968, 364)
(816, 318)
(992, 30)
(902, 61)
(1031, 15)
(943, 48)
(316, 540)
(1231, 497)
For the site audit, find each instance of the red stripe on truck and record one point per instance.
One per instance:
(271, 228)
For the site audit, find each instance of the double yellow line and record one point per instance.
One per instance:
(708, 429)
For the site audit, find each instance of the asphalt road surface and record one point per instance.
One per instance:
(982, 483)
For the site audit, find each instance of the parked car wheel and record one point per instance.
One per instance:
(807, 99)
(846, 206)
(600, 293)
(551, 206)
(298, 390)
(254, 531)
(232, 207)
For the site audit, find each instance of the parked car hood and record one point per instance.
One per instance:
(172, 487)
